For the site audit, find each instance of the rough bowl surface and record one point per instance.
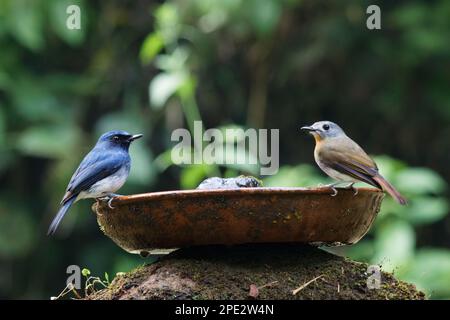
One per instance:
(174, 219)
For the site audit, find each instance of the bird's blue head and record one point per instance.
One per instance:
(117, 138)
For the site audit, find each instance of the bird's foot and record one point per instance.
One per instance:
(332, 186)
(335, 191)
(110, 197)
(351, 187)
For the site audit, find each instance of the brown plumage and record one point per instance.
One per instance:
(344, 160)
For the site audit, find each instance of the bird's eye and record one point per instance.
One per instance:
(326, 127)
(116, 138)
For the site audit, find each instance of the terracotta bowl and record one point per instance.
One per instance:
(173, 219)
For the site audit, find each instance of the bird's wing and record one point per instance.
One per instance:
(354, 162)
(94, 167)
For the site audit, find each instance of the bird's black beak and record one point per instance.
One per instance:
(309, 129)
(135, 137)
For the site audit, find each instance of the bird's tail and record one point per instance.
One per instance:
(389, 188)
(60, 215)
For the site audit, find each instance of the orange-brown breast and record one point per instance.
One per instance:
(317, 137)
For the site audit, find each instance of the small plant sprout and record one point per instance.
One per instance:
(89, 285)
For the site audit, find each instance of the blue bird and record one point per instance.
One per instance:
(102, 172)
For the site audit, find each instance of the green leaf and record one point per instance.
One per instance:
(389, 167)
(410, 16)
(167, 22)
(163, 86)
(86, 272)
(26, 23)
(187, 89)
(174, 62)
(425, 210)
(263, 15)
(153, 43)
(48, 141)
(192, 175)
(34, 101)
(298, 176)
(420, 181)
(430, 272)
(212, 20)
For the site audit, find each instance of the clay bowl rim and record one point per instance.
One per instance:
(140, 197)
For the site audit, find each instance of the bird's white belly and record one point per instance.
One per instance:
(107, 185)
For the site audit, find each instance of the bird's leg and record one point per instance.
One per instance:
(332, 186)
(351, 187)
(335, 192)
(110, 197)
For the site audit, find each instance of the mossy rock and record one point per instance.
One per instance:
(220, 272)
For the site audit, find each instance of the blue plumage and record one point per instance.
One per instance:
(102, 172)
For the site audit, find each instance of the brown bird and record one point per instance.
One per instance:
(345, 161)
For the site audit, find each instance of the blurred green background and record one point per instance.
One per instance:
(154, 66)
